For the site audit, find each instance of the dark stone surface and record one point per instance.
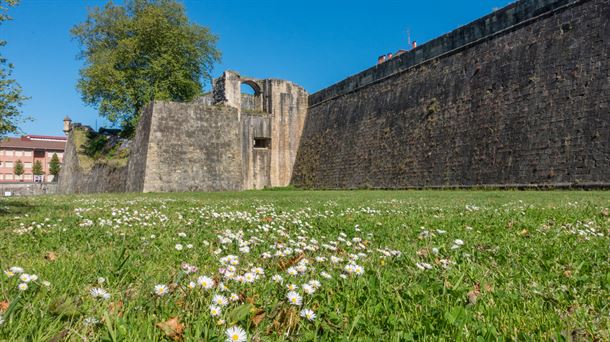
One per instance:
(518, 105)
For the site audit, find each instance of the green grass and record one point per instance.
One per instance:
(533, 266)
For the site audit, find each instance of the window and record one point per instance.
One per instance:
(27, 177)
(8, 177)
(18, 153)
(27, 153)
(264, 143)
(27, 165)
(8, 153)
(8, 164)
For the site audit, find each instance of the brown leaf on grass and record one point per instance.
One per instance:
(524, 233)
(284, 264)
(50, 256)
(172, 328)
(473, 295)
(423, 252)
(605, 212)
(258, 317)
(567, 273)
(4, 306)
(116, 308)
(286, 320)
(61, 336)
(267, 219)
(489, 288)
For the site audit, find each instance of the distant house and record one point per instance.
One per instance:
(29, 149)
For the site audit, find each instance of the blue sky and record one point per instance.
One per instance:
(312, 43)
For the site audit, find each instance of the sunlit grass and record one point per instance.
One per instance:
(437, 265)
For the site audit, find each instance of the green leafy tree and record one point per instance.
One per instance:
(37, 168)
(54, 166)
(11, 97)
(142, 51)
(18, 169)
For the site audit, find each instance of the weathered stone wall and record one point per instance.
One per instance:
(518, 97)
(191, 147)
(27, 189)
(287, 104)
(73, 178)
(256, 162)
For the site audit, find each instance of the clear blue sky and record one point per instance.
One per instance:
(312, 43)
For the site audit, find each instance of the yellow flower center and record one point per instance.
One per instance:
(235, 337)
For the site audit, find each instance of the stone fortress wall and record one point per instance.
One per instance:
(222, 141)
(516, 98)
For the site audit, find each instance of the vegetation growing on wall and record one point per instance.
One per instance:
(95, 148)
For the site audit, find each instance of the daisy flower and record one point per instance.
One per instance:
(16, 269)
(292, 271)
(9, 274)
(234, 297)
(277, 279)
(292, 287)
(161, 290)
(22, 286)
(294, 298)
(98, 292)
(308, 289)
(214, 310)
(179, 247)
(358, 270)
(220, 300)
(308, 313)
(325, 275)
(191, 285)
(249, 277)
(205, 282)
(25, 278)
(315, 284)
(101, 280)
(236, 334)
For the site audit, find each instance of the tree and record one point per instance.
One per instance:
(54, 166)
(142, 51)
(37, 168)
(11, 97)
(18, 168)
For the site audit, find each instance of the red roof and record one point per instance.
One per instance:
(26, 142)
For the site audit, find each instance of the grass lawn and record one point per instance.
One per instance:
(370, 265)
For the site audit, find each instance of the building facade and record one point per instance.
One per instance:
(29, 149)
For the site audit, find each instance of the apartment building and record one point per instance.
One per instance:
(29, 149)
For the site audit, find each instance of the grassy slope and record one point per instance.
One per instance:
(538, 277)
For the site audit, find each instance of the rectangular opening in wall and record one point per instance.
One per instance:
(264, 143)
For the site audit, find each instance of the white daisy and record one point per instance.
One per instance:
(16, 270)
(277, 279)
(309, 314)
(161, 290)
(234, 297)
(205, 282)
(22, 286)
(98, 292)
(294, 298)
(308, 289)
(220, 300)
(215, 311)
(179, 247)
(25, 278)
(236, 334)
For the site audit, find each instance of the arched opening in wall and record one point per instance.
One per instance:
(251, 97)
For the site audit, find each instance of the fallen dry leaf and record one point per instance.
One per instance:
(172, 328)
(284, 264)
(258, 317)
(605, 212)
(474, 294)
(4, 306)
(50, 256)
(423, 252)
(524, 232)
(116, 308)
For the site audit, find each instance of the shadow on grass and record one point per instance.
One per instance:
(15, 207)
